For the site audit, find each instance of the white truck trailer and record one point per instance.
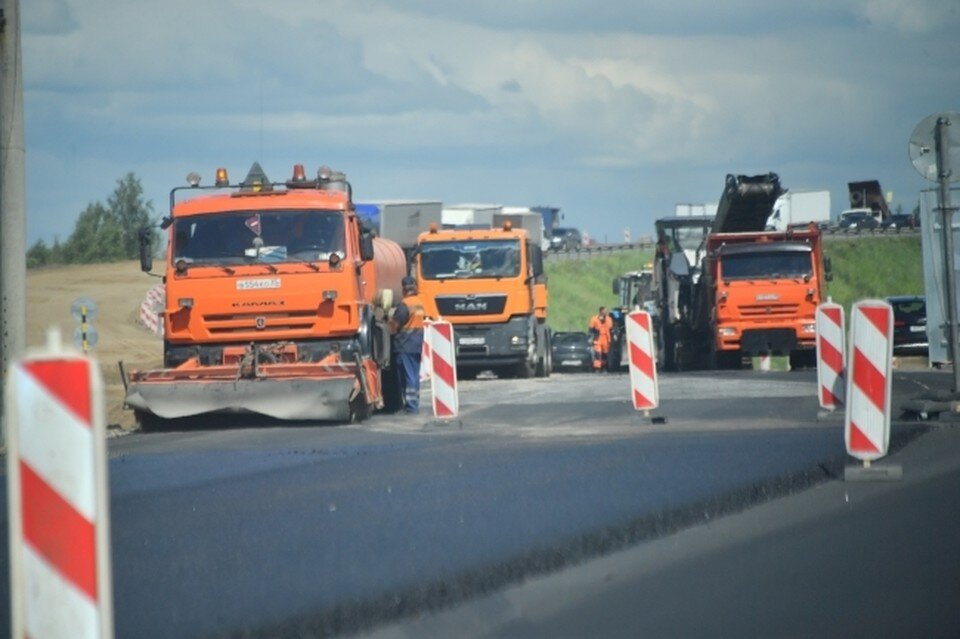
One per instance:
(523, 217)
(470, 214)
(400, 220)
(800, 207)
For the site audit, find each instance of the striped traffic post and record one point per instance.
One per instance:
(831, 356)
(426, 360)
(867, 420)
(446, 403)
(59, 535)
(644, 388)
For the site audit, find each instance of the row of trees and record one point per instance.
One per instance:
(102, 233)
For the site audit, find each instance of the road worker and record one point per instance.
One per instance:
(406, 324)
(600, 327)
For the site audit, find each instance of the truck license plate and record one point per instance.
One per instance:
(570, 362)
(917, 329)
(472, 341)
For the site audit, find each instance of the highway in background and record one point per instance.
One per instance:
(306, 530)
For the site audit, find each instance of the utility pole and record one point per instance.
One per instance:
(13, 235)
(944, 176)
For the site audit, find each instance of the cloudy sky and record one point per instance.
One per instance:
(613, 111)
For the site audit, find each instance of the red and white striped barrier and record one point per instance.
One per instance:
(867, 423)
(831, 356)
(643, 363)
(426, 360)
(446, 402)
(57, 497)
(150, 309)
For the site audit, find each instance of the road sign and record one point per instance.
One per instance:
(83, 309)
(446, 403)
(643, 363)
(57, 496)
(831, 356)
(867, 422)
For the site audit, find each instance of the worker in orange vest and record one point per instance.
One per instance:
(407, 328)
(600, 327)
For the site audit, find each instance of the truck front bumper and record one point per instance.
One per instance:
(493, 344)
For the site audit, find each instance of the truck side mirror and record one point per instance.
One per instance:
(616, 286)
(145, 238)
(827, 269)
(536, 259)
(366, 247)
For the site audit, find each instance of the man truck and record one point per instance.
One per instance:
(275, 302)
(746, 292)
(490, 284)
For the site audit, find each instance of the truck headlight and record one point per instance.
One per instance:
(726, 331)
(518, 340)
(810, 328)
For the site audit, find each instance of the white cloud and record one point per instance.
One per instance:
(529, 98)
(916, 16)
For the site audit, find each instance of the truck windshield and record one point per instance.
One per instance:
(240, 237)
(784, 264)
(683, 238)
(467, 260)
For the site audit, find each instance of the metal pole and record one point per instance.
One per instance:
(941, 139)
(13, 236)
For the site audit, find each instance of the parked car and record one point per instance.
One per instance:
(898, 221)
(858, 222)
(909, 324)
(566, 239)
(572, 352)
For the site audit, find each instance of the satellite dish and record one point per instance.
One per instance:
(923, 147)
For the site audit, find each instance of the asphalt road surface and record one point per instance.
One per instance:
(305, 530)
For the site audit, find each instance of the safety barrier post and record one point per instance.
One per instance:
(59, 531)
(446, 402)
(426, 359)
(831, 356)
(867, 418)
(644, 389)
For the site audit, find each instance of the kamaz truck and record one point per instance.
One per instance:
(490, 284)
(742, 291)
(275, 302)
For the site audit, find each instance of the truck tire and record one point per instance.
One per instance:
(543, 354)
(668, 349)
(727, 361)
(524, 369)
(803, 359)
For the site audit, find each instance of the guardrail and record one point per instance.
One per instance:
(834, 230)
(595, 250)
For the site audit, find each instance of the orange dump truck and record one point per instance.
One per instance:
(275, 301)
(726, 288)
(762, 291)
(490, 284)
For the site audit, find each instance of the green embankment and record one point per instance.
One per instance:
(870, 267)
(578, 286)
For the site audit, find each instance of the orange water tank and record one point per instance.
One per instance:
(390, 266)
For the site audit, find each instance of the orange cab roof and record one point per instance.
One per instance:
(278, 199)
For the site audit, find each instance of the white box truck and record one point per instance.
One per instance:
(522, 217)
(476, 215)
(800, 207)
(400, 220)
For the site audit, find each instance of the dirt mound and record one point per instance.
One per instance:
(118, 289)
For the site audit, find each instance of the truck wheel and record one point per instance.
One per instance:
(148, 422)
(667, 355)
(524, 369)
(803, 359)
(390, 388)
(725, 361)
